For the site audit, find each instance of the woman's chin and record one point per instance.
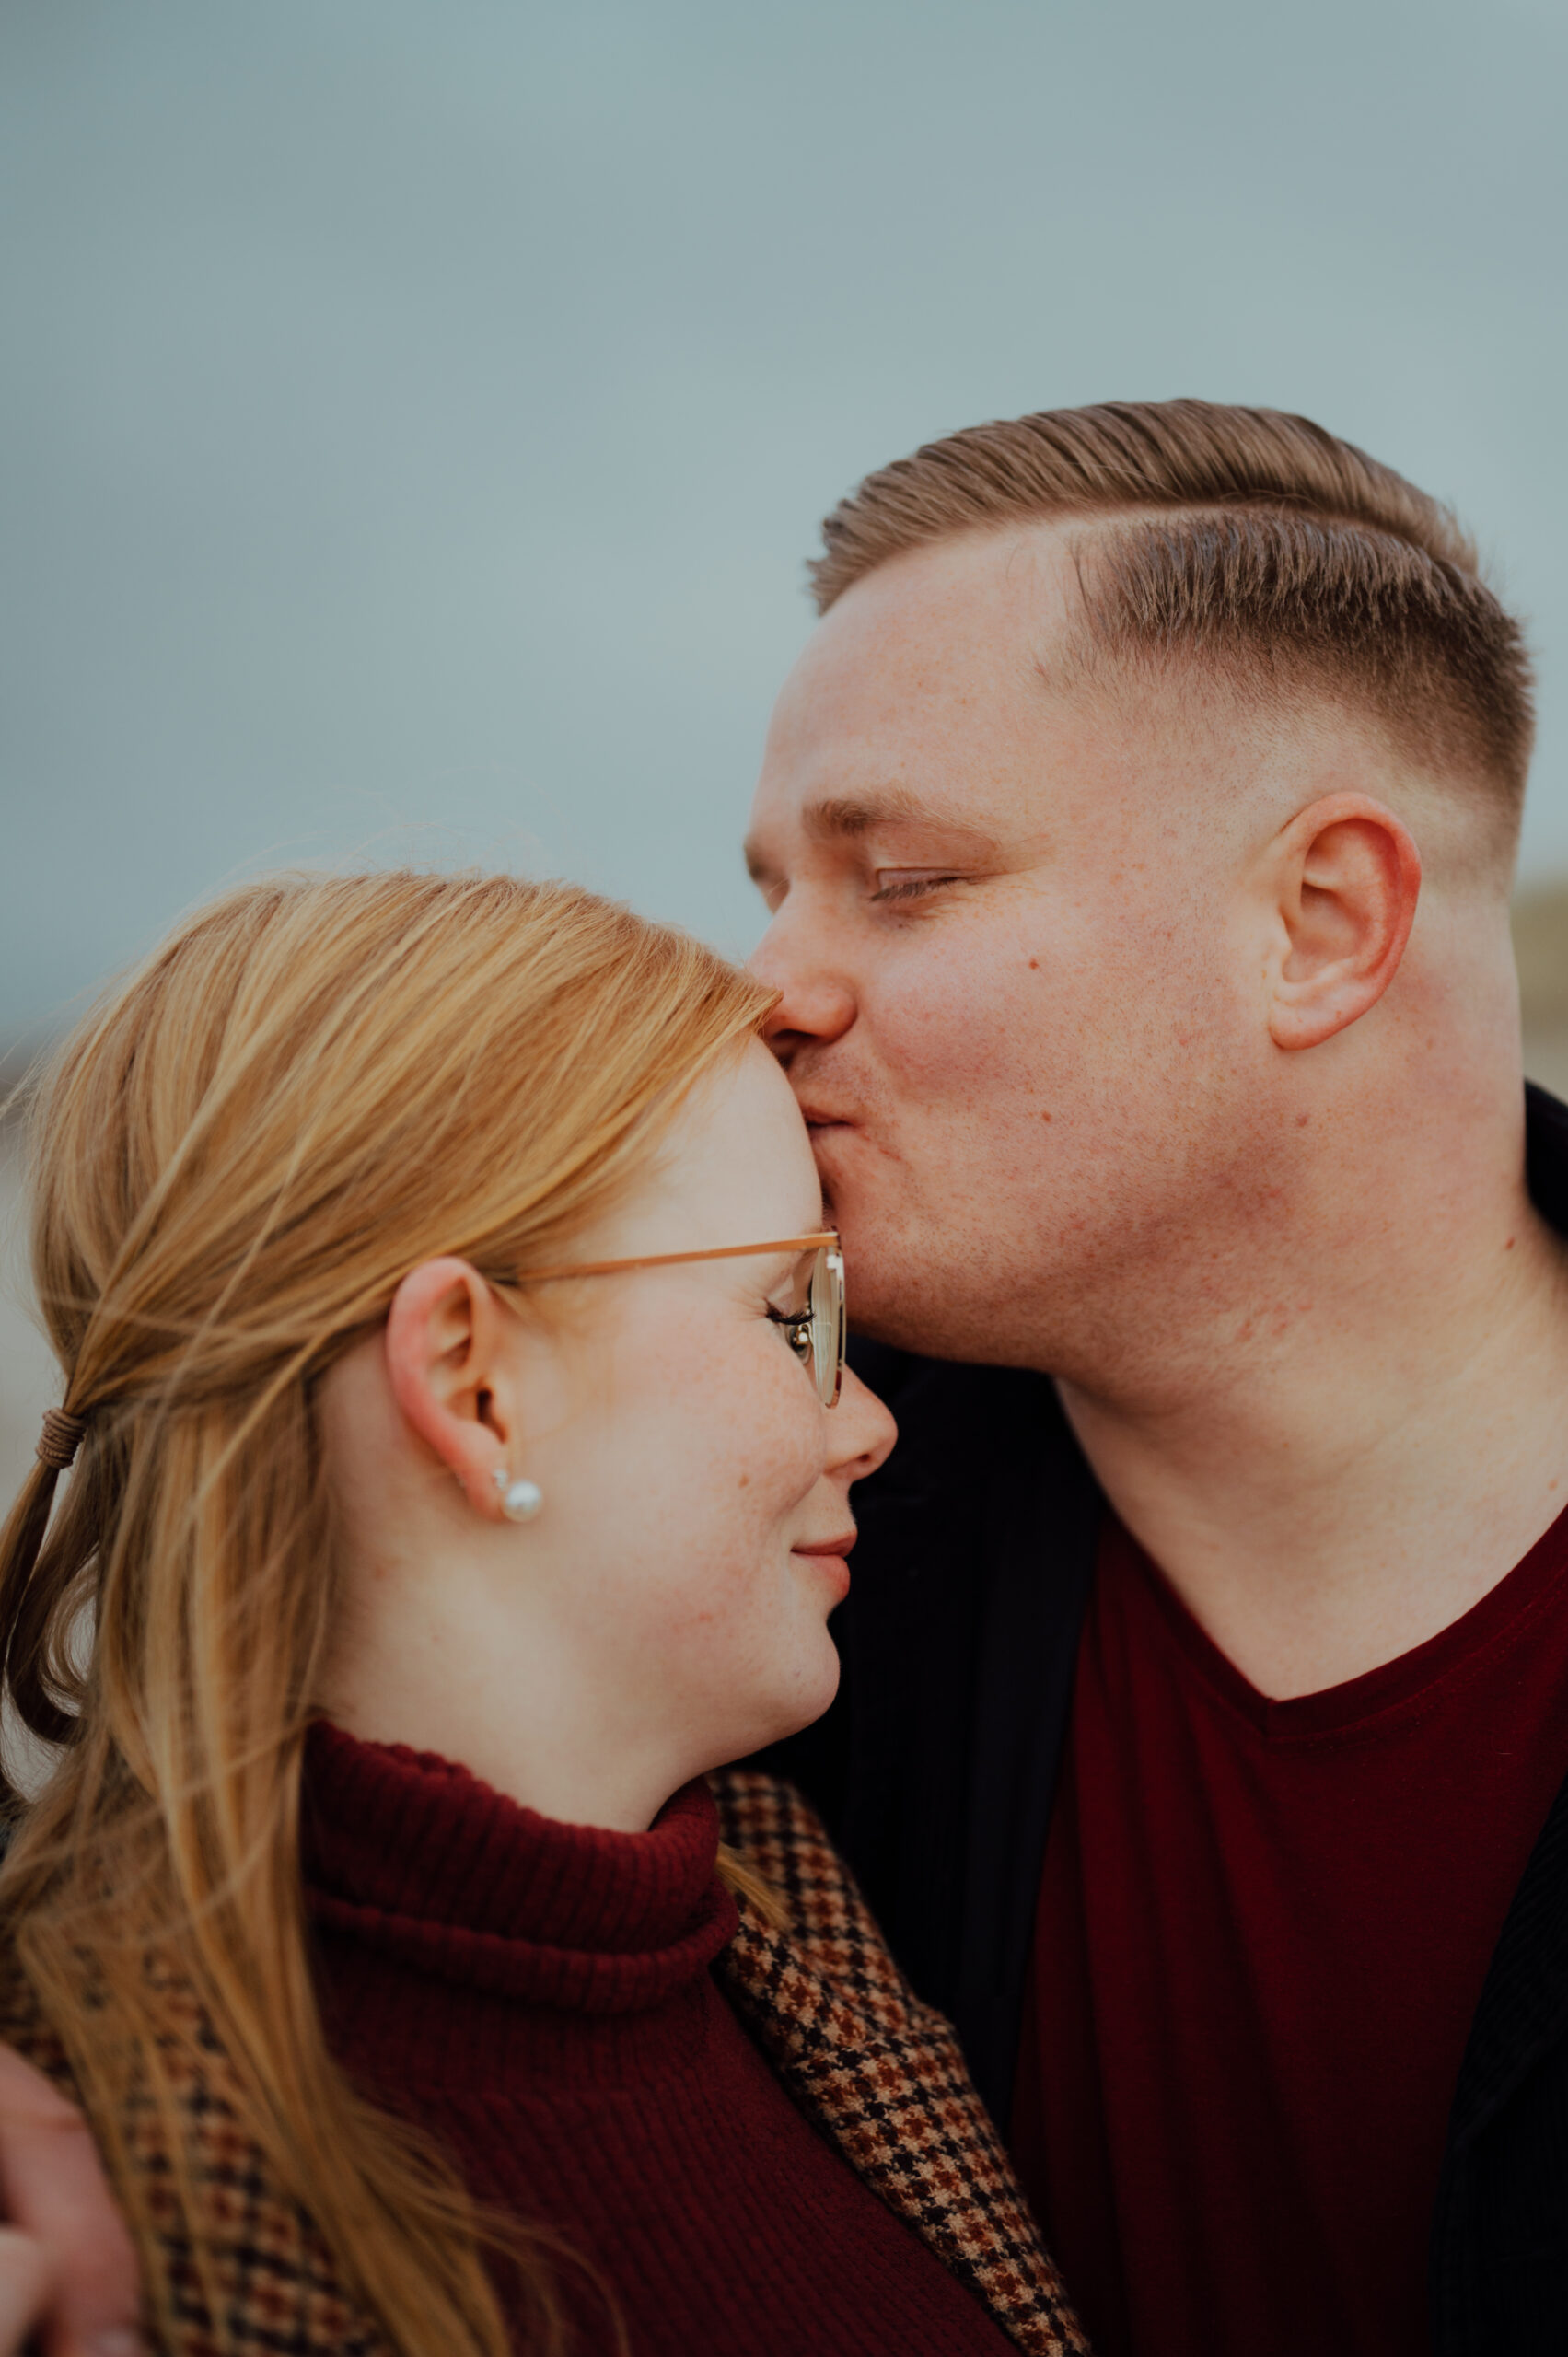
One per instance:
(795, 1702)
(810, 1696)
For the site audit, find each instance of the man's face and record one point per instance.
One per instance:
(1015, 1009)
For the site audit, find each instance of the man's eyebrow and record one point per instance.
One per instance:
(843, 818)
(832, 821)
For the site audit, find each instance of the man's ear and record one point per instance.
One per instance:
(447, 1361)
(1345, 875)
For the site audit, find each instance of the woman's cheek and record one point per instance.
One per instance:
(795, 1451)
(764, 1446)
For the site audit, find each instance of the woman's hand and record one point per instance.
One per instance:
(67, 2267)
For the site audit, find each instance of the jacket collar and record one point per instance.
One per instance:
(1524, 2002)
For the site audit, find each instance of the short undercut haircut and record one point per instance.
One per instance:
(1248, 540)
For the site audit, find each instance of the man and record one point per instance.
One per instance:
(1138, 827)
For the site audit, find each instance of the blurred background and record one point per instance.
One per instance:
(417, 418)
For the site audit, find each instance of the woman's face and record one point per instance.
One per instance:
(702, 1490)
(666, 1609)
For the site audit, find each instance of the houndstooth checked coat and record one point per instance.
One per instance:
(877, 2073)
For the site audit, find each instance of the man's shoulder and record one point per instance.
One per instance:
(1546, 1154)
(966, 1430)
(952, 1387)
(984, 1512)
(985, 1508)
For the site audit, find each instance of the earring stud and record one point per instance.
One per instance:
(520, 1501)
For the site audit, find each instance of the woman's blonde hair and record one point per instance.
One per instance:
(314, 1084)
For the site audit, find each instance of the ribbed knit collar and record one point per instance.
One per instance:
(424, 1865)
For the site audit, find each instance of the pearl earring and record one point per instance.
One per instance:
(520, 1501)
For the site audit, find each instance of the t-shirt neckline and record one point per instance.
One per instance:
(1380, 1694)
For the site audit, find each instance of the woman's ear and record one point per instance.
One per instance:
(448, 1361)
(1346, 876)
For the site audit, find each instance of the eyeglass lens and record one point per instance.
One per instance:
(827, 1299)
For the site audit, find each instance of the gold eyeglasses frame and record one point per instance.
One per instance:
(816, 1334)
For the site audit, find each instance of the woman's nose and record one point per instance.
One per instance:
(861, 1431)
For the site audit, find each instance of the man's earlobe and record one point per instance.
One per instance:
(1348, 877)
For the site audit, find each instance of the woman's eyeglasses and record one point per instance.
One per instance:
(814, 1331)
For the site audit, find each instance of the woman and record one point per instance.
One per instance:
(450, 1345)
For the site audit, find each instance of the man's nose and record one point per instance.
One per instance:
(817, 998)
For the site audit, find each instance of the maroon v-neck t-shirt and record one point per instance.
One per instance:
(1262, 1933)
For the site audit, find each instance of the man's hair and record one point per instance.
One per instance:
(1248, 540)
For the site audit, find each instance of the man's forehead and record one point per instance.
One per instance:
(974, 609)
(913, 700)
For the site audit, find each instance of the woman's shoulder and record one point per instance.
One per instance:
(772, 1829)
(878, 2072)
(266, 2270)
(26, 2028)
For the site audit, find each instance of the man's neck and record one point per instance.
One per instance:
(1327, 1498)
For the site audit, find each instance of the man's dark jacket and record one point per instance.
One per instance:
(935, 1768)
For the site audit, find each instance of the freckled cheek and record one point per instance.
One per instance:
(733, 1573)
(772, 1467)
(736, 1439)
(767, 1487)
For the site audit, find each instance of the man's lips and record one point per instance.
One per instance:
(839, 1546)
(821, 1117)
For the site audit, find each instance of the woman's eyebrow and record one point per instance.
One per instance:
(784, 1264)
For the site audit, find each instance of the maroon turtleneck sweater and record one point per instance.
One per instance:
(539, 1998)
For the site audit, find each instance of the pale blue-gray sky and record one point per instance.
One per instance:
(415, 416)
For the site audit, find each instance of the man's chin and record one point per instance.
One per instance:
(886, 1301)
(892, 1271)
(892, 1299)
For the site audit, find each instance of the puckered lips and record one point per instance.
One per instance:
(819, 1115)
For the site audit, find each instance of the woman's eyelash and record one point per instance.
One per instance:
(914, 886)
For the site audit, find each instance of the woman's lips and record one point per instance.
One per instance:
(833, 1554)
